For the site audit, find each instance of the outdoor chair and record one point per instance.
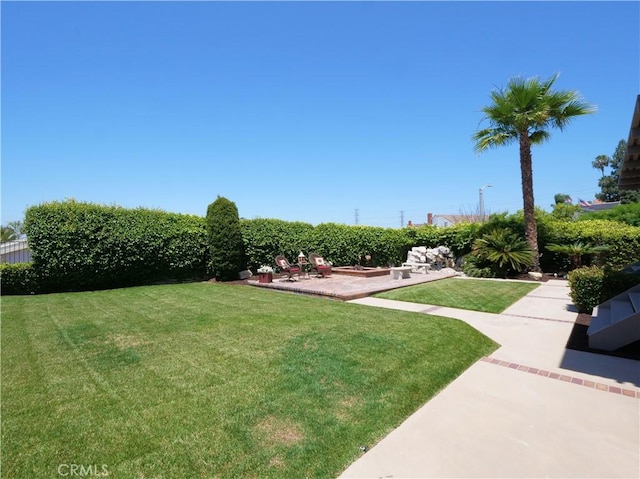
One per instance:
(285, 266)
(319, 265)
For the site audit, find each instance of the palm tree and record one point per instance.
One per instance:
(577, 250)
(503, 250)
(12, 231)
(601, 162)
(524, 112)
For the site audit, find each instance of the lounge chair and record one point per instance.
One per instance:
(319, 265)
(285, 266)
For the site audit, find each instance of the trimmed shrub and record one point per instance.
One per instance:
(83, 246)
(226, 246)
(591, 285)
(18, 278)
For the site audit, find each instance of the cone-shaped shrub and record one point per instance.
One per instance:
(226, 246)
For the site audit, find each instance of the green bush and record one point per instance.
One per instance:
(224, 234)
(474, 267)
(591, 285)
(84, 246)
(503, 251)
(18, 278)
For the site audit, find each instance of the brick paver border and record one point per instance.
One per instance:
(563, 377)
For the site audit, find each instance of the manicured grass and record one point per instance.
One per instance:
(473, 294)
(213, 380)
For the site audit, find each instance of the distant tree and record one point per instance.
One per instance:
(11, 232)
(524, 112)
(601, 162)
(226, 245)
(560, 198)
(629, 196)
(609, 190)
(565, 211)
(618, 157)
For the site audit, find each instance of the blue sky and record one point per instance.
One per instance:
(302, 111)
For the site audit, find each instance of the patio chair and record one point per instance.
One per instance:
(285, 266)
(319, 265)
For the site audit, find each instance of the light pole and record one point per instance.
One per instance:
(481, 203)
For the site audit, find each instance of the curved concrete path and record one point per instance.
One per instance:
(532, 409)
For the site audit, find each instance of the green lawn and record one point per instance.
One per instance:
(473, 294)
(213, 380)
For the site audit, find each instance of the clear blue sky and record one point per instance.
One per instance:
(302, 111)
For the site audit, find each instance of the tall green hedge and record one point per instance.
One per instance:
(84, 246)
(341, 244)
(264, 238)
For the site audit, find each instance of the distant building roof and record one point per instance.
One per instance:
(597, 205)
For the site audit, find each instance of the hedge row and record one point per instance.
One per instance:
(19, 278)
(623, 240)
(82, 246)
(341, 244)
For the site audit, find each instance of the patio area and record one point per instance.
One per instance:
(346, 287)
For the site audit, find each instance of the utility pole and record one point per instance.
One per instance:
(401, 219)
(357, 213)
(481, 203)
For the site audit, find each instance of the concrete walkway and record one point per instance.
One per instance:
(532, 409)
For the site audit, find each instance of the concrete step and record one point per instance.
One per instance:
(600, 319)
(616, 322)
(621, 309)
(634, 297)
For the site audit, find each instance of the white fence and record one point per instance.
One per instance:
(15, 252)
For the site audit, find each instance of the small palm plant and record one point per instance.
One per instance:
(503, 251)
(577, 250)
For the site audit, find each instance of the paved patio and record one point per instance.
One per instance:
(345, 288)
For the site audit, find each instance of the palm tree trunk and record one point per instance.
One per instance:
(530, 226)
